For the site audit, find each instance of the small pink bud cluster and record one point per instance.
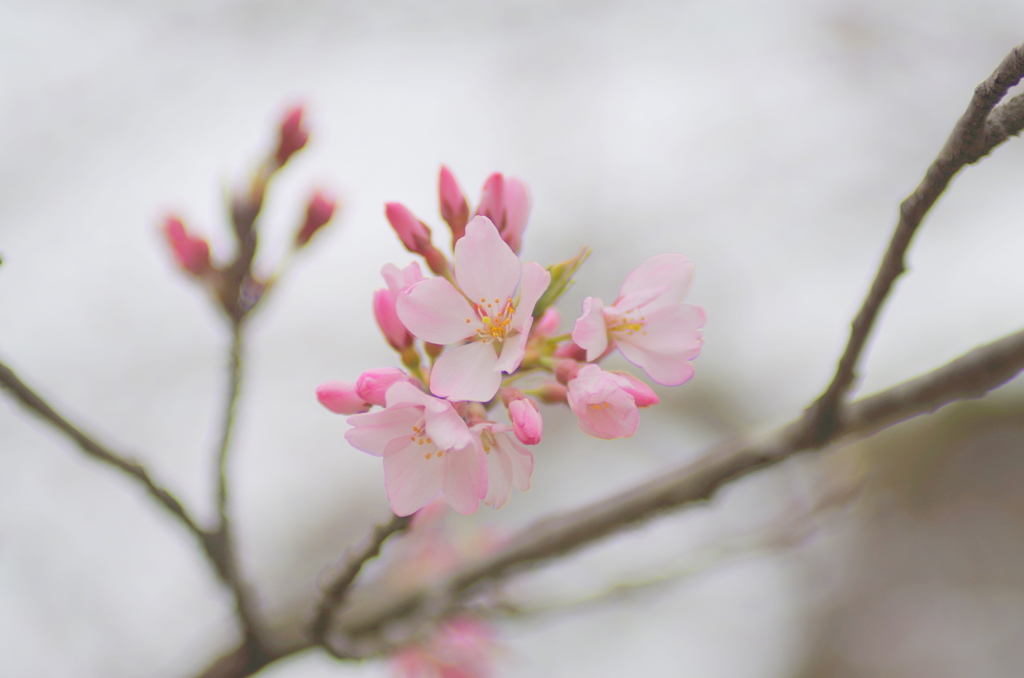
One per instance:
(485, 320)
(235, 285)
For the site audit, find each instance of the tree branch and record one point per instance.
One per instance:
(30, 400)
(970, 376)
(335, 592)
(979, 130)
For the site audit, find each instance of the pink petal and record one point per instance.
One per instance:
(499, 478)
(534, 283)
(642, 394)
(513, 349)
(666, 369)
(373, 432)
(466, 372)
(517, 212)
(522, 460)
(395, 333)
(410, 479)
(373, 384)
(671, 271)
(492, 199)
(674, 328)
(446, 428)
(465, 482)
(434, 311)
(400, 279)
(341, 398)
(548, 323)
(485, 267)
(603, 409)
(590, 332)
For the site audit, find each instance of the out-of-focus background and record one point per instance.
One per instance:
(769, 142)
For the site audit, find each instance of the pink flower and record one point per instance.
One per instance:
(319, 211)
(526, 420)
(508, 462)
(192, 253)
(506, 202)
(374, 384)
(648, 323)
(427, 449)
(484, 310)
(454, 207)
(293, 136)
(461, 648)
(398, 280)
(341, 397)
(605, 403)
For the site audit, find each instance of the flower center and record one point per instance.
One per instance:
(419, 436)
(626, 324)
(496, 318)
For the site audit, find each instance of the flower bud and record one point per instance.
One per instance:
(394, 331)
(341, 398)
(548, 323)
(190, 252)
(570, 350)
(414, 234)
(517, 212)
(492, 201)
(527, 423)
(454, 206)
(641, 392)
(552, 393)
(293, 136)
(602, 403)
(566, 371)
(372, 385)
(319, 211)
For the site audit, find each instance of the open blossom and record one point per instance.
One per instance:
(605, 403)
(508, 462)
(484, 311)
(648, 323)
(427, 449)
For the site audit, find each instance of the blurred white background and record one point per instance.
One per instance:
(768, 141)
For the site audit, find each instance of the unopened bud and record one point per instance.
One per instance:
(387, 319)
(566, 371)
(454, 206)
(374, 384)
(527, 423)
(413, 233)
(570, 350)
(190, 252)
(552, 393)
(293, 135)
(517, 213)
(492, 200)
(433, 350)
(341, 398)
(642, 394)
(319, 212)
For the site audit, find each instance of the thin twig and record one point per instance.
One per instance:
(335, 591)
(974, 136)
(972, 375)
(28, 398)
(228, 421)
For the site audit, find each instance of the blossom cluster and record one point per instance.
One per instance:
(482, 332)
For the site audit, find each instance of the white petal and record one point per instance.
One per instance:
(434, 311)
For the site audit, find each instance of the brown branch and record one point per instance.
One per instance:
(30, 400)
(336, 590)
(969, 376)
(979, 130)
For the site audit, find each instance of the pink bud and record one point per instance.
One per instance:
(553, 393)
(641, 392)
(526, 421)
(191, 253)
(548, 323)
(373, 384)
(341, 398)
(454, 207)
(571, 350)
(492, 200)
(603, 406)
(566, 371)
(387, 319)
(293, 136)
(415, 235)
(517, 212)
(319, 211)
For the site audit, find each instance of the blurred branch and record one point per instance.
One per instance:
(335, 592)
(29, 399)
(978, 131)
(972, 375)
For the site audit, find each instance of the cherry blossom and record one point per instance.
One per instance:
(508, 462)
(648, 323)
(605, 403)
(341, 397)
(483, 311)
(398, 280)
(427, 449)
